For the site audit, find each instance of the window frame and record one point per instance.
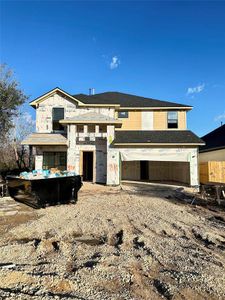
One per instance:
(169, 119)
(55, 158)
(56, 126)
(126, 116)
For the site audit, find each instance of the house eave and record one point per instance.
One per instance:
(157, 144)
(212, 149)
(89, 122)
(44, 143)
(40, 99)
(156, 108)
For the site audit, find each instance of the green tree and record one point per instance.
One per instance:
(14, 123)
(11, 97)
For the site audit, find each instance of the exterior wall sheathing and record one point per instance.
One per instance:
(44, 111)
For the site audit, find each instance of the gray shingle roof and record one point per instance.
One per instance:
(156, 137)
(45, 139)
(214, 139)
(125, 100)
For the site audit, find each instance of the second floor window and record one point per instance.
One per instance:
(57, 114)
(172, 119)
(123, 114)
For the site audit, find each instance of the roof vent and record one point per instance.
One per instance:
(91, 91)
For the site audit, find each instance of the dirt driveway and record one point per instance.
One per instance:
(128, 242)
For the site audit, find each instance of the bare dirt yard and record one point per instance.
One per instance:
(128, 242)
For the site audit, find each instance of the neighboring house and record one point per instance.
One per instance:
(214, 149)
(112, 136)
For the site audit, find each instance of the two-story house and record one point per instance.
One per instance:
(113, 136)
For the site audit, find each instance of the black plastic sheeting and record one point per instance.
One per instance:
(40, 193)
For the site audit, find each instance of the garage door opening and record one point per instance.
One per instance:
(157, 171)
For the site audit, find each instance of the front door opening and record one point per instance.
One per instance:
(88, 166)
(144, 170)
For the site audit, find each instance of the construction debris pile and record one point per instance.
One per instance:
(43, 174)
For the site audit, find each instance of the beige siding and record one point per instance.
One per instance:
(133, 122)
(160, 120)
(217, 155)
(182, 122)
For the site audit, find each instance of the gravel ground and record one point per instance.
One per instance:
(127, 242)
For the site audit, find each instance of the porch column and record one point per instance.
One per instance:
(113, 159)
(85, 129)
(96, 129)
(194, 177)
(71, 151)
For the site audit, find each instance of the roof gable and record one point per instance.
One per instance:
(43, 97)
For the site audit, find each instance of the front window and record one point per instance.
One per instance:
(57, 114)
(172, 119)
(123, 114)
(54, 160)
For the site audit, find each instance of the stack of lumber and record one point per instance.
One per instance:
(212, 172)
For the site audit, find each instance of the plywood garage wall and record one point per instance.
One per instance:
(169, 171)
(158, 171)
(131, 170)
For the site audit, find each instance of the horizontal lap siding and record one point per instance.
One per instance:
(217, 155)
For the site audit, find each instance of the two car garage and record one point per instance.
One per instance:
(159, 171)
(171, 165)
(158, 155)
